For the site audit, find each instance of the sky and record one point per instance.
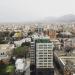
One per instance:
(31, 10)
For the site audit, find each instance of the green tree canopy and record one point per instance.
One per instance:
(21, 51)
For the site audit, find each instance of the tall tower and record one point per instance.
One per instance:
(44, 57)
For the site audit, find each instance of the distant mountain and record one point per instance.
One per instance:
(51, 18)
(65, 18)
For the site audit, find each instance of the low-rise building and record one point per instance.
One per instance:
(22, 66)
(64, 64)
(6, 51)
(51, 33)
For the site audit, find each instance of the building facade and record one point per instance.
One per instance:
(44, 57)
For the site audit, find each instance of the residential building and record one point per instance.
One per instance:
(46, 53)
(32, 50)
(6, 51)
(65, 64)
(51, 33)
(39, 29)
(44, 57)
(22, 66)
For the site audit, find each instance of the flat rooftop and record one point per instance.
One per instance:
(64, 60)
(43, 41)
(6, 47)
(63, 57)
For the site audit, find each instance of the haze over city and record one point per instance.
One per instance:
(37, 37)
(33, 10)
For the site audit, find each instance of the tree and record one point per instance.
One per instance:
(30, 32)
(2, 41)
(12, 33)
(21, 51)
(25, 44)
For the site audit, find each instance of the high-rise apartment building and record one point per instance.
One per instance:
(41, 55)
(44, 57)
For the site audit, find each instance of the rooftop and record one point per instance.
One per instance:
(6, 47)
(43, 41)
(66, 61)
(22, 64)
(62, 57)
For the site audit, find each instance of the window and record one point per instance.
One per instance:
(40, 55)
(45, 47)
(49, 60)
(40, 47)
(40, 63)
(45, 60)
(45, 64)
(45, 53)
(50, 47)
(40, 58)
(51, 55)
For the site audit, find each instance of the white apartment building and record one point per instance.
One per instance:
(32, 53)
(44, 57)
(41, 55)
(44, 54)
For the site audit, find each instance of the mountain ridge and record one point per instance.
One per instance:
(65, 18)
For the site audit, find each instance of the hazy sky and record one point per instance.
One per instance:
(26, 10)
